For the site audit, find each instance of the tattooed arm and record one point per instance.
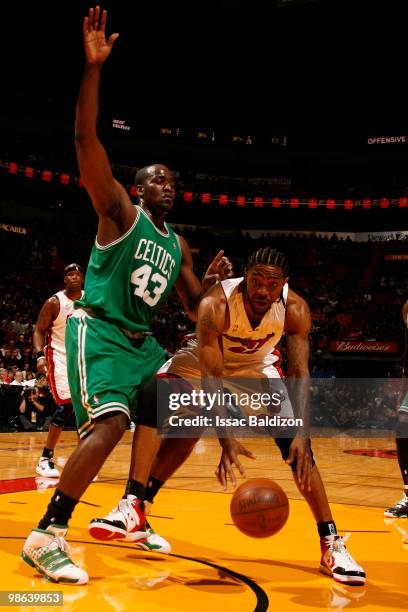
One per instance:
(212, 320)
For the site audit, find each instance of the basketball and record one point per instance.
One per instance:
(259, 507)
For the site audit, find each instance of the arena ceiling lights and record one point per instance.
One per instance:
(220, 199)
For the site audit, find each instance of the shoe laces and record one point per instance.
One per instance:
(59, 542)
(122, 506)
(125, 506)
(337, 544)
(62, 544)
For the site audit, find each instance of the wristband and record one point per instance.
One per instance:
(39, 355)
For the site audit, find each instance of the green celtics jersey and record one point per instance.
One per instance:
(127, 280)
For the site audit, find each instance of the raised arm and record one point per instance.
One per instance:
(109, 198)
(47, 315)
(189, 287)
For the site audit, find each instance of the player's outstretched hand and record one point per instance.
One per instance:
(97, 48)
(219, 269)
(231, 448)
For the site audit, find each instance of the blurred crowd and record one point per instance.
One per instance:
(353, 292)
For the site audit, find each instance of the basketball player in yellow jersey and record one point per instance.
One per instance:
(111, 352)
(240, 322)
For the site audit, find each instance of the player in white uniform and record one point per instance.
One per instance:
(49, 348)
(249, 354)
(240, 321)
(400, 510)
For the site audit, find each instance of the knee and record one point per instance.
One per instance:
(112, 426)
(120, 424)
(61, 415)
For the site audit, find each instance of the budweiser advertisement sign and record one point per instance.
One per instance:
(363, 346)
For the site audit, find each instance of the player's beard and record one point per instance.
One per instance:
(256, 308)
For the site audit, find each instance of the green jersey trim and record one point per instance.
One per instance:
(104, 247)
(156, 228)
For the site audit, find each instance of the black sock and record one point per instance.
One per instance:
(135, 488)
(326, 529)
(402, 450)
(153, 487)
(59, 510)
(47, 452)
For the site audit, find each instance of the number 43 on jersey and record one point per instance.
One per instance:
(141, 278)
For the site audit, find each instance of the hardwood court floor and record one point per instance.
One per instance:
(213, 566)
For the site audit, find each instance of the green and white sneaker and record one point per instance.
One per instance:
(153, 541)
(48, 552)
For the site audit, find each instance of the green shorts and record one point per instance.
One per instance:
(106, 368)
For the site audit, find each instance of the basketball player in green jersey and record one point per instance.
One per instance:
(135, 262)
